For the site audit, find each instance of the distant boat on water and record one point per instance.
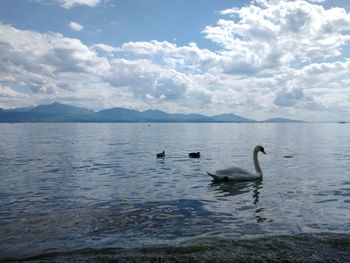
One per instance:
(342, 122)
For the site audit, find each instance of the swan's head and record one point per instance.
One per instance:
(259, 148)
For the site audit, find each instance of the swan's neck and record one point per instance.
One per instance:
(256, 163)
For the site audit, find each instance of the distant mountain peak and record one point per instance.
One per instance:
(231, 117)
(152, 114)
(59, 108)
(282, 120)
(59, 112)
(153, 110)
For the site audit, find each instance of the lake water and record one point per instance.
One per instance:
(97, 191)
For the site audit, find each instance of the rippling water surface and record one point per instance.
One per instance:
(72, 187)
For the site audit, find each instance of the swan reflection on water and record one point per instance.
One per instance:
(231, 189)
(236, 188)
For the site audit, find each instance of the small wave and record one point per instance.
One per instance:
(327, 200)
(322, 247)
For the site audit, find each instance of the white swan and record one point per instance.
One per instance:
(239, 174)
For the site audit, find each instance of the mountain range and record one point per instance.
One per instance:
(57, 112)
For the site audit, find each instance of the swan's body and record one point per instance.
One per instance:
(239, 174)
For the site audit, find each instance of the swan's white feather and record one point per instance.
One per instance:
(232, 170)
(239, 174)
(233, 173)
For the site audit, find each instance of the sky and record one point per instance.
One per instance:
(255, 58)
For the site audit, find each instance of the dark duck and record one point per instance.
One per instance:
(161, 155)
(194, 155)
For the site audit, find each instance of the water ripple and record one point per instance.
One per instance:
(74, 186)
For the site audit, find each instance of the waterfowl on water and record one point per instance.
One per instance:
(161, 155)
(194, 155)
(239, 174)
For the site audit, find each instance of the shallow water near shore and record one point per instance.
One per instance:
(98, 191)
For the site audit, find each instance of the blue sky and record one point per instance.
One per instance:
(116, 22)
(259, 59)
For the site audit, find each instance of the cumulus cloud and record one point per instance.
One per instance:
(10, 98)
(104, 47)
(73, 3)
(146, 80)
(278, 33)
(317, 1)
(75, 26)
(272, 56)
(23, 63)
(65, 67)
(288, 98)
(183, 58)
(6, 92)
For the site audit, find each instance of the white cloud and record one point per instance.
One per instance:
(274, 57)
(316, 1)
(66, 68)
(279, 33)
(73, 3)
(146, 80)
(184, 58)
(288, 98)
(23, 63)
(75, 26)
(104, 47)
(10, 98)
(6, 92)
